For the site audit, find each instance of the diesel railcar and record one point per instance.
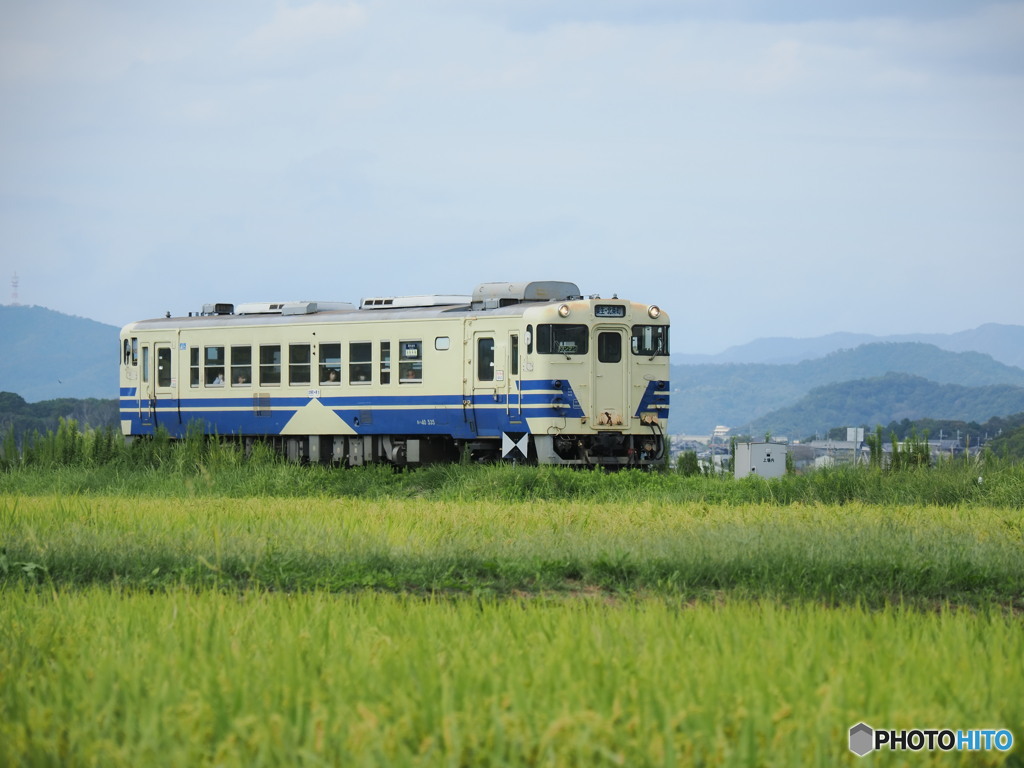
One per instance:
(533, 372)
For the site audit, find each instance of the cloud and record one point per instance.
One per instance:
(705, 154)
(297, 27)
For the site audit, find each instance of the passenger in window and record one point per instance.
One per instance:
(359, 372)
(219, 380)
(242, 379)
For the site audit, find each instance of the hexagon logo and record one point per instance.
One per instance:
(862, 739)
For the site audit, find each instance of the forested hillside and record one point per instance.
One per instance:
(893, 397)
(25, 418)
(737, 395)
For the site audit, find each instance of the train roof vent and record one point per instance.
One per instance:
(220, 308)
(492, 295)
(292, 307)
(309, 307)
(409, 302)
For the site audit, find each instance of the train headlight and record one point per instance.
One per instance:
(654, 311)
(563, 310)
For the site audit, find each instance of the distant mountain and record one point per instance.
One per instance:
(738, 394)
(882, 400)
(48, 355)
(1004, 343)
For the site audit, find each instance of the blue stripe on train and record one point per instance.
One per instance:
(487, 414)
(655, 398)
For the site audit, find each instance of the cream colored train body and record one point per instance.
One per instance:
(522, 371)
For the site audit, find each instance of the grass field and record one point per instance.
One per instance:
(853, 553)
(111, 677)
(502, 617)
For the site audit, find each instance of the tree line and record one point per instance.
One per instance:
(21, 419)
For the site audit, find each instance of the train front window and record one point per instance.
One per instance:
(650, 340)
(609, 347)
(562, 339)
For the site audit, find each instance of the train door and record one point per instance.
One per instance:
(486, 382)
(514, 400)
(145, 391)
(158, 380)
(610, 378)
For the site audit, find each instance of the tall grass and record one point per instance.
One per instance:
(114, 678)
(226, 472)
(72, 462)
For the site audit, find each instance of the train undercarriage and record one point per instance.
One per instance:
(604, 449)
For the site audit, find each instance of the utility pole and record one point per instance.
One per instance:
(14, 290)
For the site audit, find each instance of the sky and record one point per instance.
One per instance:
(755, 168)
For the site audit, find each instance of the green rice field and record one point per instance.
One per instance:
(110, 677)
(851, 553)
(501, 628)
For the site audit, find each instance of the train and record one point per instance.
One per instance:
(532, 372)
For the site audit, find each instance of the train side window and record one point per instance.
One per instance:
(360, 362)
(385, 362)
(410, 362)
(330, 363)
(135, 350)
(513, 347)
(193, 367)
(145, 364)
(609, 347)
(298, 364)
(270, 365)
(485, 359)
(213, 368)
(241, 366)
